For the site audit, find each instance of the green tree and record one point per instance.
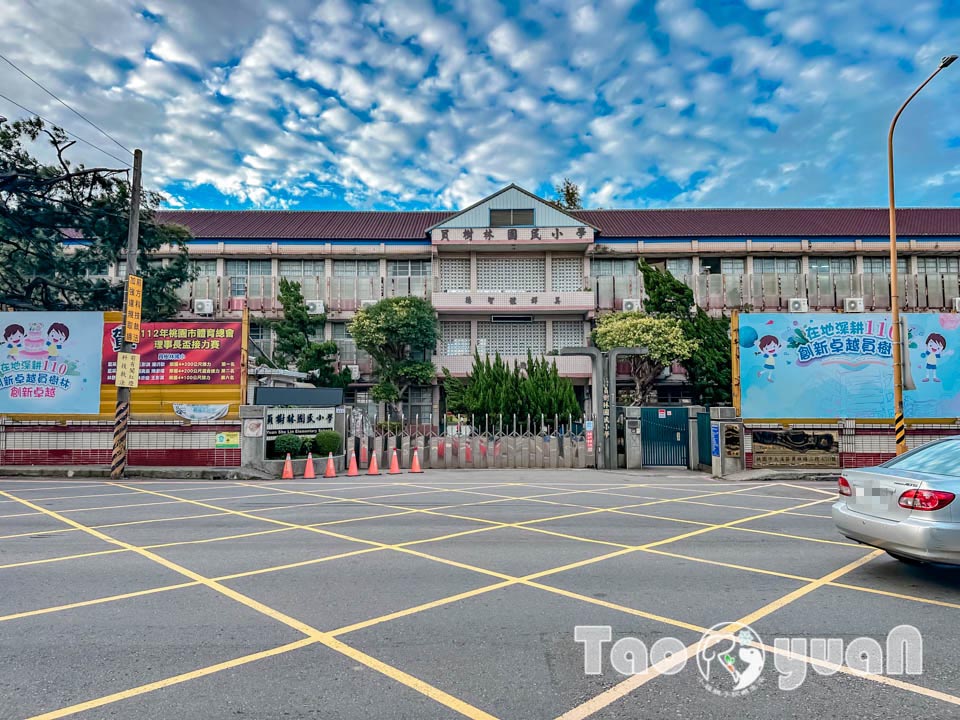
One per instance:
(710, 367)
(43, 205)
(568, 195)
(495, 389)
(662, 336)
(400, 334)
(295, 346)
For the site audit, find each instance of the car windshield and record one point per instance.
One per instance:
(942, 458)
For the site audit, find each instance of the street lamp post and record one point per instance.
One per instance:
(900, 429)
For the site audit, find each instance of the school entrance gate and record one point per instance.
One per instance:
(665, 436)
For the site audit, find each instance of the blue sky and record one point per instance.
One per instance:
(412, 104)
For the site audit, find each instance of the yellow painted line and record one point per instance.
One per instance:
(95, 601)
(882, 679)
(899, 596)
(60, 558)
(733, 566)
(812, 489)
(624, 688)
(324, 638)
(175, 680)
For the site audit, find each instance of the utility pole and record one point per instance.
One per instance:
(121, 418)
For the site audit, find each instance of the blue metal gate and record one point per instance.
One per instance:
(665, 436)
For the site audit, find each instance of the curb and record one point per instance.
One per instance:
(158, 473)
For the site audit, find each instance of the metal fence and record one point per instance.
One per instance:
(487, 442)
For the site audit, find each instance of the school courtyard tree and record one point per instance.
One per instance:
(43, 204)
(662, 336)
(400, 334)
(709, 368)
(568, 195)
(494, 390)
(296, 347)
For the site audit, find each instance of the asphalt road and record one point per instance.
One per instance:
(452, 594)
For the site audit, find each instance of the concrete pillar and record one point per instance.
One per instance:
(473, 272)
(548, 272)
(253, 431)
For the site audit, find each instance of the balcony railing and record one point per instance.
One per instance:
(757, 291)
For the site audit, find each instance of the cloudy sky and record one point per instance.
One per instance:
(412, 104)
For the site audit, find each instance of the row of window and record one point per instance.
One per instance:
(314, 268)
(603, 267)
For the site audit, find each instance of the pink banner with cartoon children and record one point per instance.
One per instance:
(50, 363)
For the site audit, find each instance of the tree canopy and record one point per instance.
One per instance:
(400, 334)
(662, 336)
(568, 195)
(42, 206)
(710, 367)
(295, 345)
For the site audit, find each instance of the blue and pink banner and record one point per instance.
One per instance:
(50, 363)
(830, 365)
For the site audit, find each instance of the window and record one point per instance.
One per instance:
(408, 268)
(356, 268)
(722, 266)
(606, 267)
(937, 265)
(567, 274)
(512, 274)
(940, 458)
(678, 267)
(419, 407)
(455, 337)
(830, 265)
(567, 333)
(511, 338)
(299, 268)
(776, 265)
(511, 218)
(455, 274)
(239, 270)
(881, 266)
(261, 340)
(340, 331)
(202, 268)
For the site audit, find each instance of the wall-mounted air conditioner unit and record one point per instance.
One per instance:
(203, 306)
(632, 305)
(797, 305)
(237, 304)
(956, 304)
(315, 307)
(853, 305)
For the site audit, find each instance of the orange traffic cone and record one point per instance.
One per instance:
(287, 469)
(331, 470)
(394, 464)
(415, 463)
(352, 470)
(372, 468)
(308, 471)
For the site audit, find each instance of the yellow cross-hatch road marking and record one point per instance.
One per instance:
(316, 635)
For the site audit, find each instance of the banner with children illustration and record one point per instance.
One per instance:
(50, 363)
(828, 365)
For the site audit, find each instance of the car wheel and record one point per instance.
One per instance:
(904, 559)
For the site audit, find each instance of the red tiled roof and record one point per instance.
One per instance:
(406, 225)
(774, 222)
(307, 225)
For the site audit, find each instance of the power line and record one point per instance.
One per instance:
(72, 134)
(68, 107)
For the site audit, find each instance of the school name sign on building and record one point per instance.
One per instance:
(831, 365)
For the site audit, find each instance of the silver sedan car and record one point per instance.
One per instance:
(906, 506)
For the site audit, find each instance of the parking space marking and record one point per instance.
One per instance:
(811, 489)
(323, 638)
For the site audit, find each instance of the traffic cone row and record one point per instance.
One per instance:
(309, 472)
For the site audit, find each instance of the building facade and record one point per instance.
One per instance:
(513, 272)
